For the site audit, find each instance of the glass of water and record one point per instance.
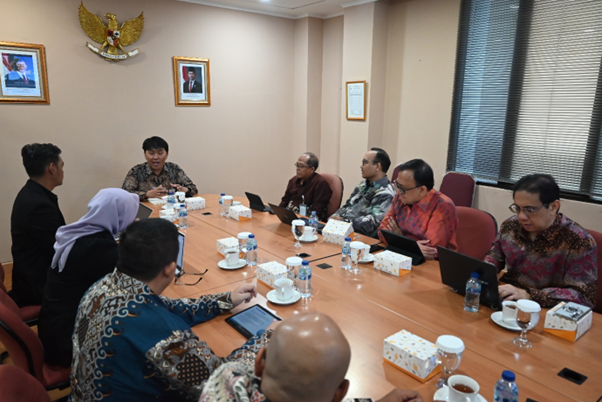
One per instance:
(525, 309)
(449, 356)
(357, 254)
(298, 227)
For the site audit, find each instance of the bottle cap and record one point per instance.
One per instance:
(313, 212)
(474, 275)
(222, 194)
(182, 205)
(450, 344)
(508, 375)
(347, 238)
(251, 236)
(305, 263)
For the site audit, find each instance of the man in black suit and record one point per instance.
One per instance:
(192, 86)
(34, 221)
(19, 78)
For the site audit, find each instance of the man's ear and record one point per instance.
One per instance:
(51, 168)
(260, 362)
(555, 206)
(341, 391)
(170, 270)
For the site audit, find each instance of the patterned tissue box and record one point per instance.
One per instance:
(240, 213)
(335, 231)
(393, 263)
(560, 320)
(411, 354)
(224, 244)
(195, 203)
(269, 272)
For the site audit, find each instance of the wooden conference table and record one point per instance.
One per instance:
(373, 305)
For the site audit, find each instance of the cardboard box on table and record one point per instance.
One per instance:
(195, 203)
(411, 354)
(335, 231)
(269, 272)
(223, 244)
(393, 263)
(566, 328)
(240, 213)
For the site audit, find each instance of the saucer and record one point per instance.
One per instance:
(367, 260)
(271, 296)
(313, 239)
(443, 395)
(497, 318)
(241, 263)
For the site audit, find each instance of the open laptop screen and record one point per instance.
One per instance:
(180, 260)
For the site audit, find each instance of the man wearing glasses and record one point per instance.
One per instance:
(372, 197)
(548, 257)
(307, 187)
(420, 212)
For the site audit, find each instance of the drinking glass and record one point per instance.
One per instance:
(298, 227)
(449, 356)
(524, 311)
(357, 253)
(227, 200)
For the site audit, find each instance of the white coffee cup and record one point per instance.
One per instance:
(509, 311)
(284, 289)
(181, 196)
(462, 389)
(231, 256)
(308, 233)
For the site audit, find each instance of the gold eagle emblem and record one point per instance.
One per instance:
(112, 36)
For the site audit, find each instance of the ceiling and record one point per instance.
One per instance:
(286, 8)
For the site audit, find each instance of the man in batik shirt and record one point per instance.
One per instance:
(156, 177)
(548, 257)
(420, 212)
(371, 198)
(306, 360)
(130, 343)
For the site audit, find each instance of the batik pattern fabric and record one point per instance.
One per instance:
(233, 382)
(433, 218)
(130, 344)
(141, 179)
(367, 206)
(560, 264)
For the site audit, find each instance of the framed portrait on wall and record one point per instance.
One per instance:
(23, 78)
(191, 81)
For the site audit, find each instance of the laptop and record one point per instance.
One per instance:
(257, 204)
(403, 245)
(455, 272)
(180, 260)
(287, 216)
(144, 212)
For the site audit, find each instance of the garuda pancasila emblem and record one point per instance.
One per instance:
(111, 36)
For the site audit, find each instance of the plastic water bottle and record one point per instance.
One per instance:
(346, 256)
(171, 199)
(473, 293)
(222, 211)
(313, 220)
(506, 389)
(304, 280)
(252, 250)
(183, 217)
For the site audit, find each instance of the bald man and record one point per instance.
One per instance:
(306, 361)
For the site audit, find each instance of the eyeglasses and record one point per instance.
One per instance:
(527, 210)
(300, 166)
(177, 281)
(365, 162)
(401, 190)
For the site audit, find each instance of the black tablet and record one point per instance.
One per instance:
(252, 321)
(403, 245)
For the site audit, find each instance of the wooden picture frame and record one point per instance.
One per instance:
(24, 78)
(356, 100)
(191, 81)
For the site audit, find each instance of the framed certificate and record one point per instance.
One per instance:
(356, 100)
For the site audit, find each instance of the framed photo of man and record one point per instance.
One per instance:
(191, 81)
(23, 78)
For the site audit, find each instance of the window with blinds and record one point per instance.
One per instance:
(528, 92)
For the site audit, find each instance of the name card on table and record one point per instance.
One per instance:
(224, 244)
(335, 231)
(240, 213)
(393, 263)
(411, 354)
(568, 320)
(269, 272)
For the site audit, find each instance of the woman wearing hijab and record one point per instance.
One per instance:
(85, 251)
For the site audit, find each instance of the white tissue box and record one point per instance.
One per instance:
(412, 354)
(567, 328)
(224, 244)
(240, 213)
(269, 272)
(335, 231)
(393, 263)
(195, 203)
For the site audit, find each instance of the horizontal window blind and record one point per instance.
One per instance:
(528, 92)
